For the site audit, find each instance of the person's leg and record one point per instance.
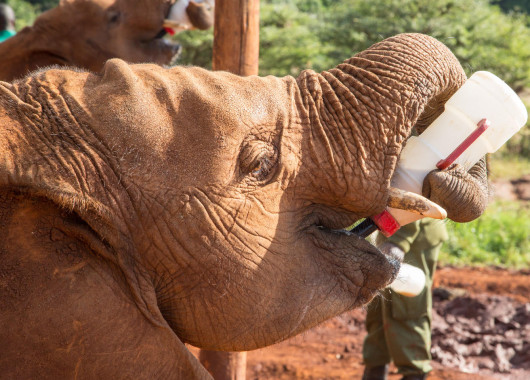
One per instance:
(408, 334)
(375, 352)
(409, 343)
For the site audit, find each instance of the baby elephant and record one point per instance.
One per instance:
(86, 33)
(143, 208)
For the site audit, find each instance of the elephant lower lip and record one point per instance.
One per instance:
(346, 246)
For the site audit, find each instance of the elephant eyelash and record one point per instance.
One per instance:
(262, 168)
(257, 160)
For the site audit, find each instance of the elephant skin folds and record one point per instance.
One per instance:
(145, 208)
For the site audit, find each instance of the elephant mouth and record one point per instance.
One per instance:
(169, 51)
(346, 245)
(162, 47)
(347, 249)
(380, 269)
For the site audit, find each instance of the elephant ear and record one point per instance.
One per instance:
(50, 150)
(38, 148)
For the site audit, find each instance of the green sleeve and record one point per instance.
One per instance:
(404, 237)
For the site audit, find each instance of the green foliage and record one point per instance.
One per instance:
(506, 165)
(289, 40)
(25, 12)
(43, 5)
(499, 237)
(479, 34)
(513, 5)
(318, 34)
(196, 48)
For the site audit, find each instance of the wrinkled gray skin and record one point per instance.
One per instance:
(144, 208)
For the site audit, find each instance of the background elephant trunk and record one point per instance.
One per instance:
(362, 112)
(201, 15)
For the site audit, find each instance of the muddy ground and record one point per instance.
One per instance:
(481, 330)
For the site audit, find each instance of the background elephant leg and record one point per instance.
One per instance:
(225, 365)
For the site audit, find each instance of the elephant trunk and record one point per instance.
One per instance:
(201, 14)
(361, 113)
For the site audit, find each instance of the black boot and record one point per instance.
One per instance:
(415, 376)
(376, 373)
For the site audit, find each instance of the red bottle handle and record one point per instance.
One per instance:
(473, 136)
(170, 31)
(386, 223)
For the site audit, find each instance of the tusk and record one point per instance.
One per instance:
(418, 204)
(174, 24)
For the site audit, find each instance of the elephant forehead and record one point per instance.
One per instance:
(217, 112)
(214, 114)
(238, 102)
(193, 120)
(159, 104)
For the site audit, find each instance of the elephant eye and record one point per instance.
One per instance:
(261, 168)
(258, 159)
(114, 17)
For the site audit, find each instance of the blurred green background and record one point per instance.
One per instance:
(492, 35)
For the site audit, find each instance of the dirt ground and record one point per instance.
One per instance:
(481, 330)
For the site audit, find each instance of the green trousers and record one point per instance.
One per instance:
(399, 327)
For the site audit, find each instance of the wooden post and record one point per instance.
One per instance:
(225, 365)
(235, 49)
(236, 36)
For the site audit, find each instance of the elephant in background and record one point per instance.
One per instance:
(144, 208)
(86, 33)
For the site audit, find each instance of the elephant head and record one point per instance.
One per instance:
(216, 201)
(86, 33)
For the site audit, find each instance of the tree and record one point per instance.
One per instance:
(479, 34)
(25, 12)
(289, 40)
(513, 5)
(298, 34)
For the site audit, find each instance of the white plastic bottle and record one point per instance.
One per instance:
(483, 96)
(409, 282)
